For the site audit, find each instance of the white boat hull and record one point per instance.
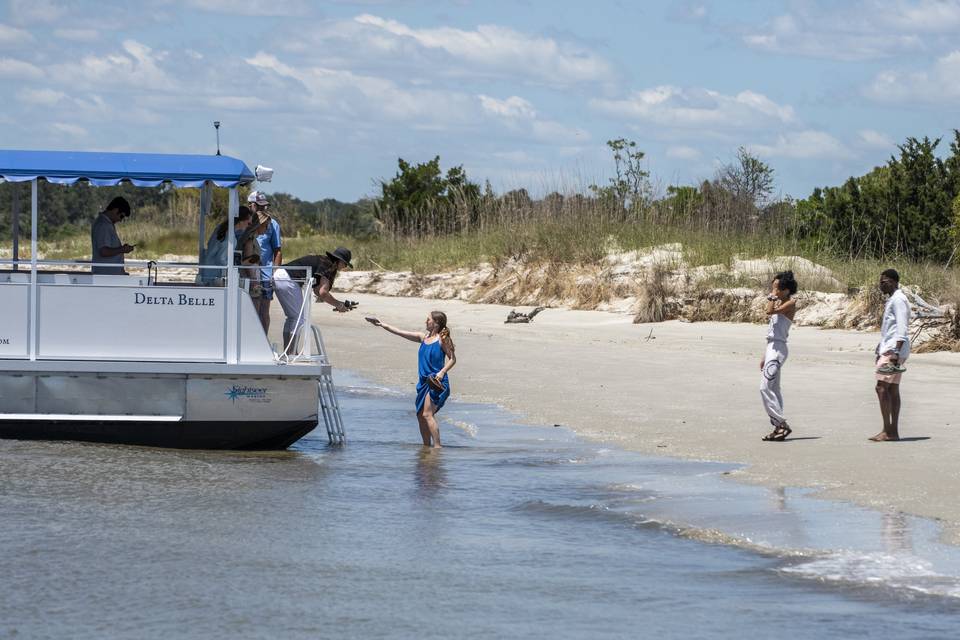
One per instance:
(194, 411)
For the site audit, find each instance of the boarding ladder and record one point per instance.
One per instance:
(329, 407)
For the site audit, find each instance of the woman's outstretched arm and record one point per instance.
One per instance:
(412, 336)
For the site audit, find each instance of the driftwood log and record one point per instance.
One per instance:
(522, 318)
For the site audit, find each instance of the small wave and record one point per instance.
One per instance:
(467, 427)
(592, 511)
(878, 569)
(369, 391)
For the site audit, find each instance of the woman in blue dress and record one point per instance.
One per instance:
(436, 358)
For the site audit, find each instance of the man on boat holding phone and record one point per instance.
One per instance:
(107, 247)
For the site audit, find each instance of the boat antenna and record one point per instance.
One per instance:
(216, 125)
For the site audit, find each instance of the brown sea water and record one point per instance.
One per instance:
(508, 531)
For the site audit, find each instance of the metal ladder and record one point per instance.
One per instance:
(329, 407)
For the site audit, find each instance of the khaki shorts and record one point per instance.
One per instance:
(889, 378)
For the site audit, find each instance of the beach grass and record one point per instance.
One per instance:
(563, 243)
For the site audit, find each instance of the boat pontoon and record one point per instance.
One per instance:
(148, 358)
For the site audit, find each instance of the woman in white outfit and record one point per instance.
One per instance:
(781, 307)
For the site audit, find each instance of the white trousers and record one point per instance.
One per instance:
(290, 295)
(770, 395)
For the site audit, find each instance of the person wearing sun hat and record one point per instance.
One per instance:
(288, 286)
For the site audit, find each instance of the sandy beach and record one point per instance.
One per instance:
(688, 390)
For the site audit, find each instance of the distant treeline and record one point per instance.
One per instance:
(909, 207)
(70, 210)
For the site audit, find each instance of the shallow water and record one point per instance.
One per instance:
(508, 531)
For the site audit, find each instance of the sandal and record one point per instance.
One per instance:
(779, 434)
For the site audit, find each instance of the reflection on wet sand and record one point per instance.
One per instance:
(895, 533)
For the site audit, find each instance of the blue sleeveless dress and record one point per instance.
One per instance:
(430, 360)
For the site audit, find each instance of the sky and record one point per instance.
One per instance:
(523, 93)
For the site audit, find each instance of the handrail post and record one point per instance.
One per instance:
(206, 194)
(231, 317)
(34, 306)
(15, 205)
(308, 310)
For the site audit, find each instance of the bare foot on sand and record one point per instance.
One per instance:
(883, 437)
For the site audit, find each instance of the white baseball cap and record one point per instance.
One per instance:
(258, 197)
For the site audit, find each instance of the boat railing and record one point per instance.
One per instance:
(157, 311)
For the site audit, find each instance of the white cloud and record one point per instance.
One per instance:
(875, 139)
(938, 84)
(348, 94)
(697, 108)
(13, 37)
(13, 68)
(803, 145)
(487, 50)
(43, 97)
(137, 66)
(682, 152)
(519, 115)
(252, 7)
(861, 30)
(512, 107)
(72, 130)
(503, 48)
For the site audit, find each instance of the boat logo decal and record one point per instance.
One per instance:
(253, 394)
(4, 340)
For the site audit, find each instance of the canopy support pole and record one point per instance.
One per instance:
(34, 307)
(15, 197)
(232, 334)
(206, 195)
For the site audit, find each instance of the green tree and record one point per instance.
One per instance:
(421, 200)
(748, 178)
(630, 187)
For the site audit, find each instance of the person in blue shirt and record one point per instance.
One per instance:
(271, 255)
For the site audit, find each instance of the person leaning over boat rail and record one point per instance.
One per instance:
(107, 247)
(217, 245)
(437, 355)
(287, 285)
(892, 351)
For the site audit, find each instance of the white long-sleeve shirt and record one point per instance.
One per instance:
(896, 325)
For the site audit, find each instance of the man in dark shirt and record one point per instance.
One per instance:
(288, 286)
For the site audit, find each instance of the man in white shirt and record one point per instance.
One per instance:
(107, 247)
(892, 352)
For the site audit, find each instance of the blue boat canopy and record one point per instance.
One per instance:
(109, 169)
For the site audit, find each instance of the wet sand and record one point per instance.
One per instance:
(690, 391)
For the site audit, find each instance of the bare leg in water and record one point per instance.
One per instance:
(424, 429)
(428, 419)
(889, 396)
